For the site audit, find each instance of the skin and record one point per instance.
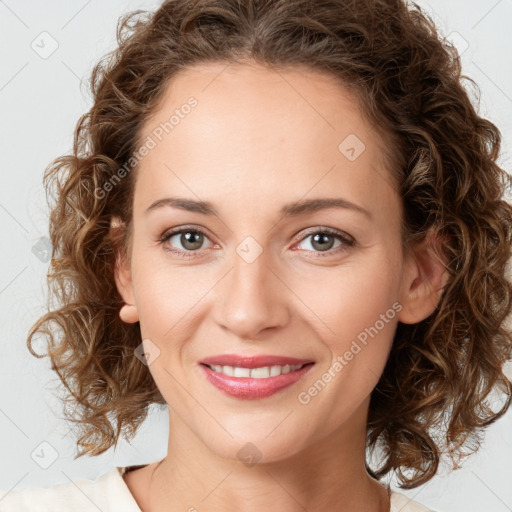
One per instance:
(259, 139)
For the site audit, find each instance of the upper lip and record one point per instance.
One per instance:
(252, 361)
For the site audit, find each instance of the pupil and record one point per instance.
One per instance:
(188, 238)
(323, 240)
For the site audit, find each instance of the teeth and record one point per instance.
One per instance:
(228, 370)
(255, 373)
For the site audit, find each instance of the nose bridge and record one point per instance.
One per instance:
(252, 297)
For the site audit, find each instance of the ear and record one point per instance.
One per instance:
(122, 272)
(424, 279)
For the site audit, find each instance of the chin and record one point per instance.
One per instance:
(251, 446)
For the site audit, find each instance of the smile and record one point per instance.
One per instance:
(253, 383)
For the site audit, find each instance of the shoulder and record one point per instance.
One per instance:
(107, 493)
(402, 503)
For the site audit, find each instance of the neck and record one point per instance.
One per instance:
(328, 474)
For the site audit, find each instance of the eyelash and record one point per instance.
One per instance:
(345, 239)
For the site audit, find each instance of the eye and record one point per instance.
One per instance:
(190, 239)
(324, 239)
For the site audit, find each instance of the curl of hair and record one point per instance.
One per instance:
(443, 160)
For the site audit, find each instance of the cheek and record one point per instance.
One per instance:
(162, 297)
(357, 320)
(347, 300)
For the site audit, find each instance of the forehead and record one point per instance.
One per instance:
(259, 133)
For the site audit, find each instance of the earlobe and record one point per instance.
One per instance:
(128, 314)
(425, 278)
(122, 273)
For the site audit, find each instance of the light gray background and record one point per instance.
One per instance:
(40, 102)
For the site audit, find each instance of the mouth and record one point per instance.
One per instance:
(253, 377)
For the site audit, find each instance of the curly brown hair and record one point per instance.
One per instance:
(441, 371)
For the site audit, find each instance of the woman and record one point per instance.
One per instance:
(286, 221)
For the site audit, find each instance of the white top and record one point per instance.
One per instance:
(109, 493)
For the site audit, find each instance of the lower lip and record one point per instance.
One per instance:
(249, 388)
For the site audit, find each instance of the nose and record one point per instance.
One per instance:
(251, 298)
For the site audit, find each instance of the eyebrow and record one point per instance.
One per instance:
(293, 209)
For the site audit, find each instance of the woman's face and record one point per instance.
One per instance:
(252, 144)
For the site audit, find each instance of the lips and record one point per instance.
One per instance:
(252, 361)
(251, 387)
